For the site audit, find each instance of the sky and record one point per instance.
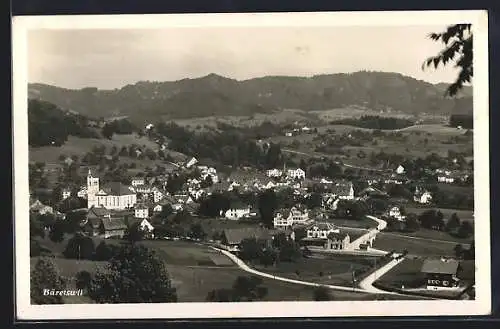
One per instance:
(109, 59)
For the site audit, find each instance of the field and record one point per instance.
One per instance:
(329, 269)
(462, 214)
(80, 146)
(364, 223)
(414, 245)
(433, 235)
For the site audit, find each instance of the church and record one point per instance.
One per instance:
(114, 195)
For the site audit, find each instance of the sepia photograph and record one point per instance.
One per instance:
(251, 165)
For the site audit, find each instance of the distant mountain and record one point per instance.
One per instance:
(217, 95)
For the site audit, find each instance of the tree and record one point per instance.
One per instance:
(453, 223)
(80, 247)
(412, 224)
(267, 202)
(457, 40)
(248, 289)
(250, 249)
(134, 233)
(105, 252)
(45, 275)
(83, 279)
(321, 293)
(459, 250)
(107, 131)
(197, 232)
(465, 230)
(36, 227)
(56, 233)
(135, 275)
(289, 252)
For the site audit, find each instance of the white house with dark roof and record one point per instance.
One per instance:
(286, 218)
(141, 211)
(321, 230)
(441, 274)
(295, 173)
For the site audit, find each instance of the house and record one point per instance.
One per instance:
(286, 218)
(98, 212)
(330, 201)
(321, 230)
(296, 173)
(191, 162)
(82, 192)
(141, 211)
(237, 210)
(441, 274)
(343, 190)
(39, 208)
(149, 126)
(112, 227)
(445, 179)
(274, 173)
(65, 193)
(422, 197)
(338, 241)
(400, 170)
(136, 181)
(113, 195)
(232, 238)
(144, 225)
(395, 212)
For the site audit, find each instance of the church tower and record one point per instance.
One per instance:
(92, 190)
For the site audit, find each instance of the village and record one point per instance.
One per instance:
(321, 217)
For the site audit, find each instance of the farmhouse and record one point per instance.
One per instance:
(441, 274)
(112, 227)
(232, 238)
(65, 193)
(395, 212)
(332, 241)
(445, 179)
(321, 230)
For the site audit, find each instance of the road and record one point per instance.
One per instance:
(248, 269)
(311, 154)
(367, 283)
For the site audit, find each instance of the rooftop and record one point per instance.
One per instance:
(440, 266)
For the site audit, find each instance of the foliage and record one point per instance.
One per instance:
(49, 125)
(105, 251)
(134, 233)
(289, 251)
(267, 204)
(463, 120)
(321, 293)
(457, 40)
(465, 230)
(45, 275)
(197, 232)
(83, 279)
(80, 247)
(135, 275)
(453, 223)
(432, 219)
(214, 204)
(375, 122)
(56, 233)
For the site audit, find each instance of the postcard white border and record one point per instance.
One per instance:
(480, 306)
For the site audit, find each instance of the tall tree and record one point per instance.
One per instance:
(267, 206)
(135, 275)
(457, 40)
(45, 275)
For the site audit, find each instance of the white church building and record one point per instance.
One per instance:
(114, 195)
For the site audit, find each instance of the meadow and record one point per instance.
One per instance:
(414, 245)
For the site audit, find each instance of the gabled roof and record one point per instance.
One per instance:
(113, 223)
(439, 266)
(337, 235)
(236, 235)
(323, 226)
(117, 188)
(341, 188)
(99, 211)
